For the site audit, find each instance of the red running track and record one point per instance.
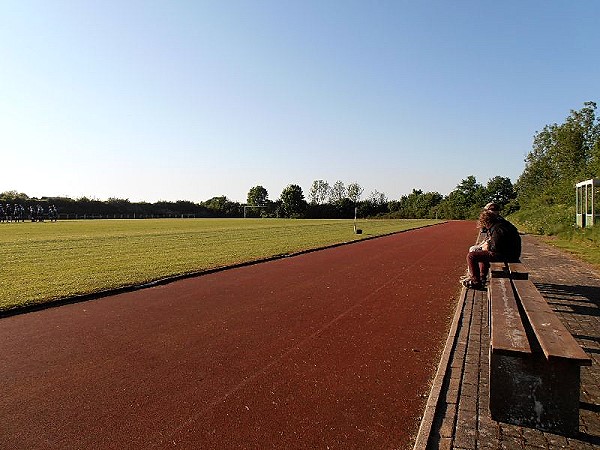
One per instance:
(331, 349)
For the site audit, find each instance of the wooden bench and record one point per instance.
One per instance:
(534, 361)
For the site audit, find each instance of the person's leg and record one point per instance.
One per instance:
(473, 259)
(485, 264)
(484, 267)
(479, 264)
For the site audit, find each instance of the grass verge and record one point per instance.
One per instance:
(556, 225)
(584, 244)
(43, 262)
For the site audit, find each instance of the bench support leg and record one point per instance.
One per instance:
(533, 392)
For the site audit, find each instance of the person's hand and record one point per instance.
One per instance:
(485, 246)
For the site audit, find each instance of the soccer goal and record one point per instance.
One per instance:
(246, 207)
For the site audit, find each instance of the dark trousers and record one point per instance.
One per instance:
(479, 261)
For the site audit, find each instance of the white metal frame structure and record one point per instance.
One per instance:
(251, 207)
(587, 196)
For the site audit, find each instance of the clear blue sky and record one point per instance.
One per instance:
(187, 100)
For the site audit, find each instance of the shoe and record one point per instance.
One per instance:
(472, 284)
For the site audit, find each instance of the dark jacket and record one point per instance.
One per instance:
(505, 240)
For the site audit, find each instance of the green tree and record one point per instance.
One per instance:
(594, 164)
(13, 196)
(223, 207)
(499, 190)
(118, 205)
(377, 203)
(257, 196)
(293, 203)
(418, 205)
(464, 202)
(561, 155)
(354, 192)
(319, 191)
(377, 198)
(337, 192)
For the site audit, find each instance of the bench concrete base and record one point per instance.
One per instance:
(533, 392)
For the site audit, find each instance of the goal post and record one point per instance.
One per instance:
(246, 207)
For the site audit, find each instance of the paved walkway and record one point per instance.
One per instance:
(458, 417)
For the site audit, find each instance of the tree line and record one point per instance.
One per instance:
(335, 201)
(561, 155)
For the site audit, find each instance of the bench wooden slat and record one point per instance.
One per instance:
(498, 270)
(553, 337)
(518, 271)
(507, 331)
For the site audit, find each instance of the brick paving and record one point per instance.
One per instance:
(460, 413)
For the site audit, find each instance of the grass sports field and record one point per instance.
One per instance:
(41, 262)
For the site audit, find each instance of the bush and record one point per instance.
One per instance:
(545, 219)
(559, 221)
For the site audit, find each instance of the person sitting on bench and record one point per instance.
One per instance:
(503, 245)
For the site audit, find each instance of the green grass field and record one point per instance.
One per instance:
(41, 262)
